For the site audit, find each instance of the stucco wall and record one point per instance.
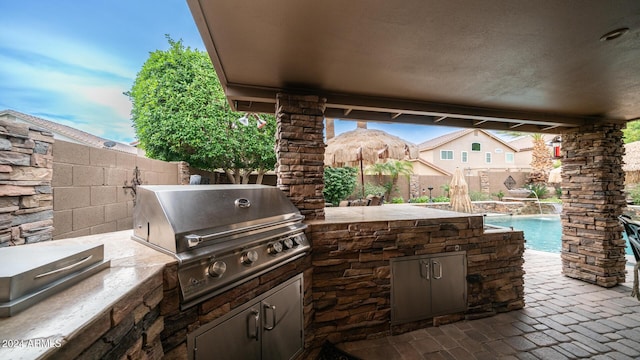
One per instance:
(476, 159)
(88, 188)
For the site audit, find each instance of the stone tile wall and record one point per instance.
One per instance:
(26, 199)
(300, 152)
(128, 330)
(351, 272)
(592, 195)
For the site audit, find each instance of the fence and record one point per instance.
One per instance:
(93, 188)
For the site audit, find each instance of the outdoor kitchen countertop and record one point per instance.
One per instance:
(386, 212)
(34, 332)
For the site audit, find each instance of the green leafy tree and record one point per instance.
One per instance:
(180, 113)
(339, 183)
(632, 132)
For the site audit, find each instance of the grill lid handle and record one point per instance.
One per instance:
(193, 240)
(242, 203)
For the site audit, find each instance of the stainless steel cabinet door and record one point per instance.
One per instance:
(448, 284)
(283, 323)
(410, 297)
(239, 337)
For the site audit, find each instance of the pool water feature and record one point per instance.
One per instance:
(542, 233)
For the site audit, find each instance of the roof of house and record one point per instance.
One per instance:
(434, 167)
(74, 134)
(447, 138)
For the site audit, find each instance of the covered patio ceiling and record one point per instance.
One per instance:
(537, 66)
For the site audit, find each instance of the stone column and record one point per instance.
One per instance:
(592, 196)
(300, 152)
(414, 186)
(184, 173)
(485, 184)
(331, 129)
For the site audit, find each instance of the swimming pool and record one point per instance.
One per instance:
(542, 233)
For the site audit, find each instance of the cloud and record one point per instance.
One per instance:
(41, 42)
(78, 84)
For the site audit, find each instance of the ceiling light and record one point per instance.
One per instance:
(614, 34)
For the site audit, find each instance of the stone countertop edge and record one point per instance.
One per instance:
(31, 333)
(386, 212)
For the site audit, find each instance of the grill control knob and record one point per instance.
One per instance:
(298, 240)
(217, 269)
(274, 248)
(288, 243)
(249, 257)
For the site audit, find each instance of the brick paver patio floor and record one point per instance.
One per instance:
(563, 318)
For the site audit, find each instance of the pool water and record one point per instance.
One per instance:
(542, 233)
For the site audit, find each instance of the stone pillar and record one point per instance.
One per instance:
(592, 196)
(184, 173)
(331, 128)
(300, 152)
(485, 185)
(414, 186)
(26, 170)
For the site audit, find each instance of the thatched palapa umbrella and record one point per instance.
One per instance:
(459, 193)
(376, 146)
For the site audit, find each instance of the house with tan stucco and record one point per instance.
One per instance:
(472, 150)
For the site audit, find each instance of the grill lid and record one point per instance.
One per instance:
(180, 218)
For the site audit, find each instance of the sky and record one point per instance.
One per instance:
(70, 61)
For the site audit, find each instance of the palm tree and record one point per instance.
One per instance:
(540, 161)
(393, 168)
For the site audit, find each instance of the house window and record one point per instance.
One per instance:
(446, 154)
(465, 156)
(487, 158)
(475, 146)
(509, 157)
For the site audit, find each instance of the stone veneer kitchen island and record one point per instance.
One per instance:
(352, 247)
(131, 310)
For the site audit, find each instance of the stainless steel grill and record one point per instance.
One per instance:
(222, 235)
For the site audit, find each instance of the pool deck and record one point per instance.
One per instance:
(563, 318)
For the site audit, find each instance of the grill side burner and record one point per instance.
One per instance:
(222, 235)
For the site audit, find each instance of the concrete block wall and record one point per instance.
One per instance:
(89, 194)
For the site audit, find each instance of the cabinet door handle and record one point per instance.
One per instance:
(438, 266)
(424, 269)
(268, 307)
(256, 325)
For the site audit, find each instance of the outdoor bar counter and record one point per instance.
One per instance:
(115, 311)
(352, 248)
(126, 309)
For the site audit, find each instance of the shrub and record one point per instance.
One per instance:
(634, 193)
(397, 200)
(338, 183)
(369, 189)
(479, 196)
(440, 199)
(499, 195)
(540, 190)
